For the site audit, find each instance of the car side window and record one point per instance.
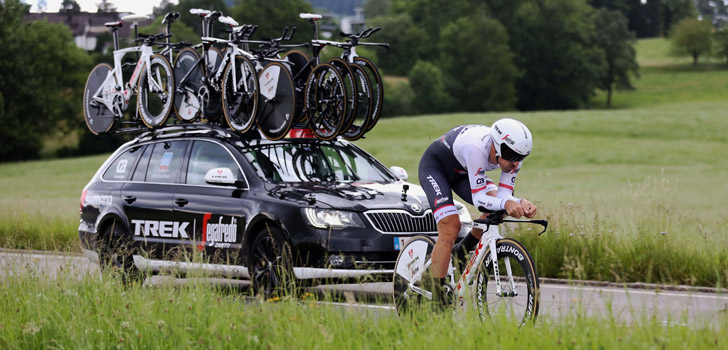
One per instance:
(141, 170)
(206, 156)
(166, 161)
(121, 167)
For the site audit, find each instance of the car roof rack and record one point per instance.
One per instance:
(186, 130)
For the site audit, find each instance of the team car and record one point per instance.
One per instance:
(202, 198)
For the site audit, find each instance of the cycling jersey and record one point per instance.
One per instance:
(458, 162)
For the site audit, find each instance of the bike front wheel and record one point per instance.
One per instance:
(325, 99)
(240, 94)
(518, 298)
(156, 92)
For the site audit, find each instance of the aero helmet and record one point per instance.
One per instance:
(512, 139)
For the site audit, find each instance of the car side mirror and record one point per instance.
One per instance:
(221, 176)
(399, 172)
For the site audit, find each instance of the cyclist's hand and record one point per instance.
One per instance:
(514, 209)
(529, 210)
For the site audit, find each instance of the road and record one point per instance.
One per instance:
(625, 303)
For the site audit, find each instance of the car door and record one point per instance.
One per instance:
(215, 211)
(148, 199)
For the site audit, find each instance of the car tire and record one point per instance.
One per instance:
(116, 251)
(270, 264)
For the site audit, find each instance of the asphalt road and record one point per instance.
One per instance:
(688, 306)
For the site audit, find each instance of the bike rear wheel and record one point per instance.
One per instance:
(99, 118)
(413, 285)
(187, 105)
(277, 101)
(377, 89)
(518, 299)
(240, 95)
(325, 99)
(156, 92)
(364, 106)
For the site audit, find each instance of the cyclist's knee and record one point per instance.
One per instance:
(448, 228)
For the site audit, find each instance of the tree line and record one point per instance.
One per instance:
(466, 55)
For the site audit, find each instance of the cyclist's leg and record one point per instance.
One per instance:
(437, 188)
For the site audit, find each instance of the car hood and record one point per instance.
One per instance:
(356, 196)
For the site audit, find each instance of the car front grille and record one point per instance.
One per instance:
(400, 221)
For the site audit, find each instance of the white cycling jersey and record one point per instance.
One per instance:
(471, 148)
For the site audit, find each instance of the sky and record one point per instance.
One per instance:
(139, 7)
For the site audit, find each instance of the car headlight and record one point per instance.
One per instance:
(334, 219)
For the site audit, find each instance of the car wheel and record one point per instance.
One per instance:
(269, 266)
(116, 250)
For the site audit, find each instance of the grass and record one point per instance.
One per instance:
(93, 313)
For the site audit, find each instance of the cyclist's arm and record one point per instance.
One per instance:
(507, 184)
(482, 188)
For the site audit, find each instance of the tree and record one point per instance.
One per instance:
(720, 38)
(69, 7)
(617, 41)
(692, 37)
(406, 40)
(716, 10)
(40, 84)
(376, 8)
(272, 16)
(553, 42)
(164, 7)
(475, 57)
(106, 7)
(428, 85)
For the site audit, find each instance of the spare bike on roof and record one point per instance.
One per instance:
(216, 83)
(106, 95)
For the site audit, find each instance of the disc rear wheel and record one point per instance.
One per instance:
(99, 118)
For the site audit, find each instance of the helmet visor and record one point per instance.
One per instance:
(510, 155)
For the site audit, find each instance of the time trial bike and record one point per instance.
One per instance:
(106, 96)
(499, 279)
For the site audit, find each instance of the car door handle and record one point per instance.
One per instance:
(181, 202)
(129, 199)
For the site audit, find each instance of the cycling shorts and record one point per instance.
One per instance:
(440, 175)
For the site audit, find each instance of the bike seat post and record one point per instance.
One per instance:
(115, 35)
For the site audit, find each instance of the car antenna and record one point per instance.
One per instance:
(405, 187)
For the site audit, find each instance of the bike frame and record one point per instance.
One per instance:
(491, 234)
(113, 96)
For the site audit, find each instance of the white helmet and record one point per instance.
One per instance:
(512, 139)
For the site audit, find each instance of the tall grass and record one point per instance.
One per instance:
(93, 313)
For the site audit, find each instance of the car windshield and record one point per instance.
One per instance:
(315, 162)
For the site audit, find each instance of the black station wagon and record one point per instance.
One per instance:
(182, 198)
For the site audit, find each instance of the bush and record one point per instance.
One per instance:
(428, 85)
(398, 98)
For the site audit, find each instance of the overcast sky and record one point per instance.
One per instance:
(139, 7)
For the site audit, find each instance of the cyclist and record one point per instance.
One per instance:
(457, 161)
